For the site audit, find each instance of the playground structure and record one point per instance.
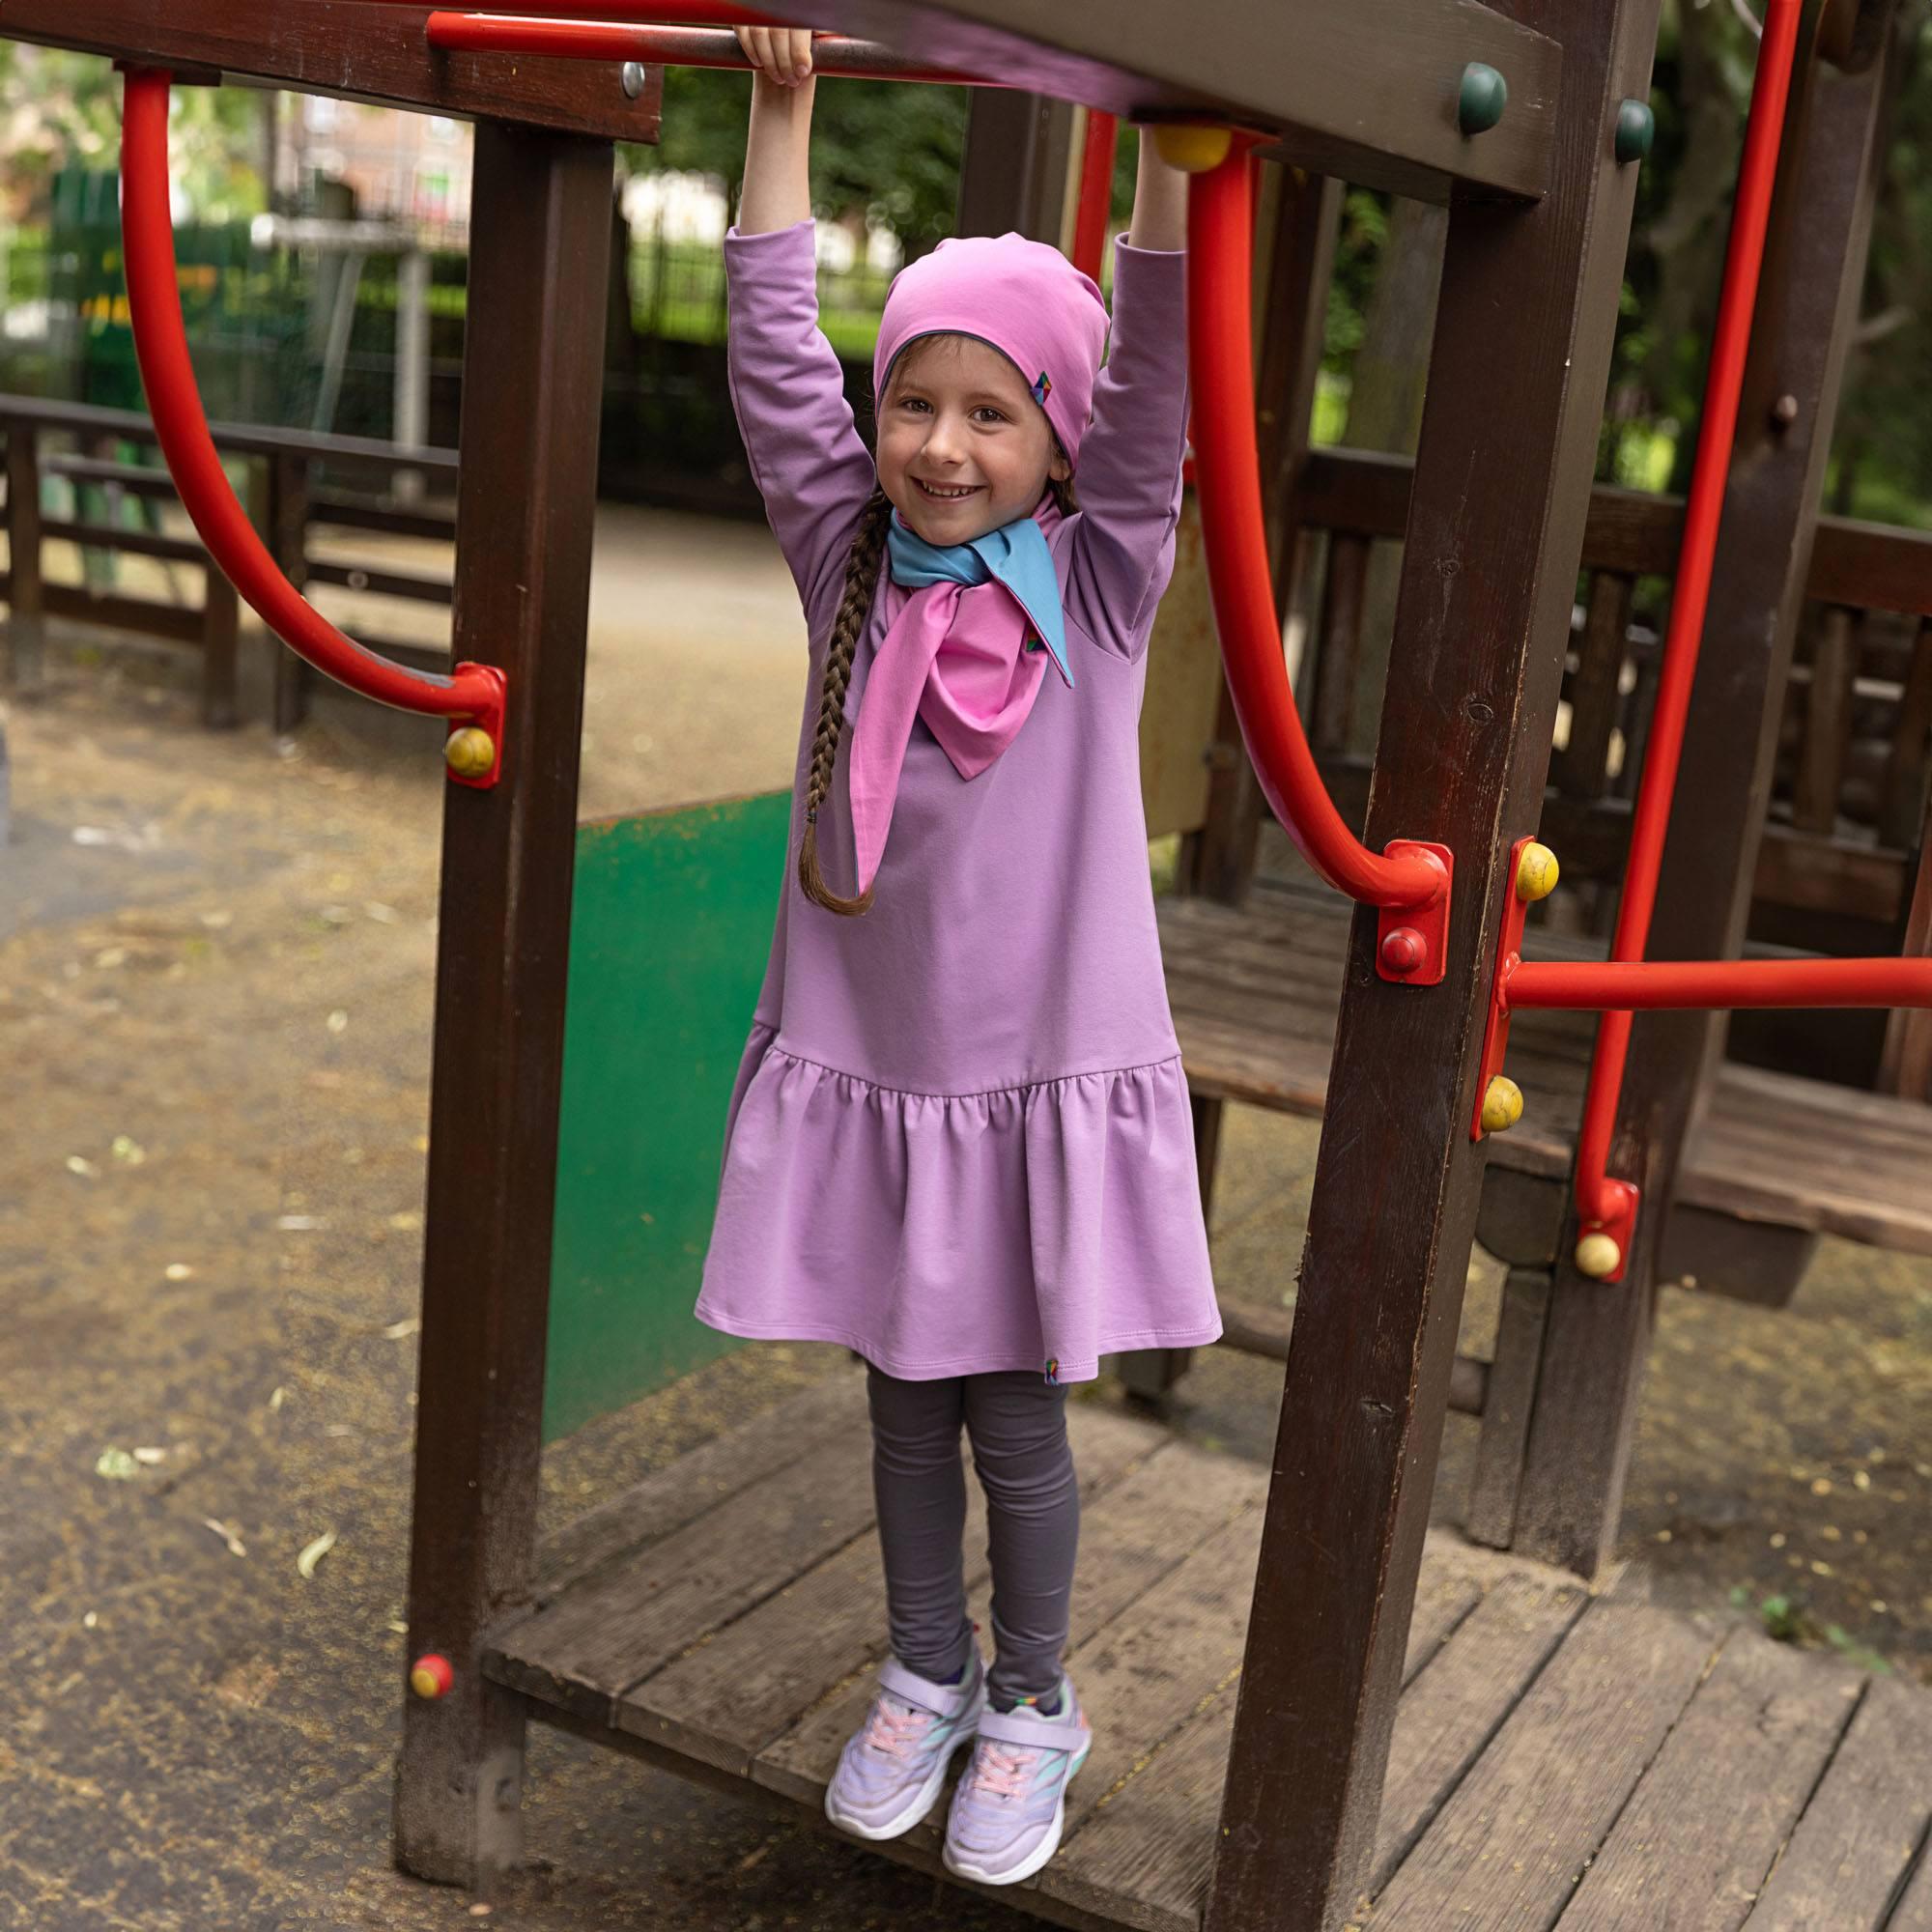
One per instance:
(1539, 201)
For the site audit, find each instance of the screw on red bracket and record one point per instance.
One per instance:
(1604, 1246)
(1412, 942)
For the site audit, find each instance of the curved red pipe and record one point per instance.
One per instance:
(1096, 191)
(1597, 1199)
(472, 691)
(1226, 473)
(833, 55)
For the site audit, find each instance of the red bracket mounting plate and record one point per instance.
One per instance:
(1412, 942)
(1509, 956)
(488, 718)
(1620, 1226)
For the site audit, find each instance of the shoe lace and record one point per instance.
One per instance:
(893, 1730)
(1001, 1773)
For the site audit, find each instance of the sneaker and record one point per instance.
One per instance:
(1009, 1806)
(894, 1764)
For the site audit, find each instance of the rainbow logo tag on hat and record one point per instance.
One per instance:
(1042, 388)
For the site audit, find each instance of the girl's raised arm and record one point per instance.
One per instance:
(1129, 476)
(787, 385)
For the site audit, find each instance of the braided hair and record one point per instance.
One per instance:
(862, 564)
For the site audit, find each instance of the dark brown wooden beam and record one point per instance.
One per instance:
(1495, 528)
(346, 47)
(534, 371)
(1595, 1341)
(1366, 92)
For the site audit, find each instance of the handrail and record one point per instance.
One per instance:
(1226, 465)
(1655, 986)
(472, 695)
(1600, 1200)
(833, 54)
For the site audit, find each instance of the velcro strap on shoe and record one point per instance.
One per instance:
(1024, 1725)
(939, 1698)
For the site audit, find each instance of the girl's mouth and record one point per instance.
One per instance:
(954, 495)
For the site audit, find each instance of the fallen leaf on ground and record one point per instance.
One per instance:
(397, 1330)
(313, 1553)
(151, 1456)
(227, 1535)
(116, 1465)
(177, 1271)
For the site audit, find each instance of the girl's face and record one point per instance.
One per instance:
(963, 448)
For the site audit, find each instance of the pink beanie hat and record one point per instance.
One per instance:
(1026, 300)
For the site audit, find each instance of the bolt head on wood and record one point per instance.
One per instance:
(1502, 1104)
(1192, 149)
(1784, 411)
(470, 752)
(1636, 128)
(1480, 99)
(1405, 949)
(1536, 873)
(431, 1676)
(1598, 1256)
(630, 78)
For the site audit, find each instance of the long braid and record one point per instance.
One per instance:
(862, 564)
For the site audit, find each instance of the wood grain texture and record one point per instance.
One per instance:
(355, 49)
(1691, 1849)
(1855, 1845)
(1508, 1845)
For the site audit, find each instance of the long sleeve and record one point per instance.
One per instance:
(788, 390)
(1129, 473)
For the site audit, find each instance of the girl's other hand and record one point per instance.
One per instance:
(780, 55)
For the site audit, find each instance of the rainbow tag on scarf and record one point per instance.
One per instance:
(1042, 388)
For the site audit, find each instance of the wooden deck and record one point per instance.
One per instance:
(1558, 1760)
(1254, 992)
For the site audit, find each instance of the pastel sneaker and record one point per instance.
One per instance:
(1009, 1806)
(893, 1766)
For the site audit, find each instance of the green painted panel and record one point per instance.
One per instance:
(669, 935)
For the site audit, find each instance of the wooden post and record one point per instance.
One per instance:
(1596, 1338)
(1495, 533)
(1017, 165)
(26, 607)
(288, 540)
(1906, 1068)
(533, 365)
(221, 615)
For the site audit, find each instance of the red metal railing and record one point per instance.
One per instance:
(472, 693)
(1226, 467)
(1099, 145)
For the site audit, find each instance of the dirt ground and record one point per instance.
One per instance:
(214, 995)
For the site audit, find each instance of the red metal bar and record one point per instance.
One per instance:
(473, 693)
(832, 54)
(1599, 1200)
(636, 14)
(1640, 985)
(1226, 467)
(1096, 190)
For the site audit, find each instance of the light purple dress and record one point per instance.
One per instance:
(960, 1138)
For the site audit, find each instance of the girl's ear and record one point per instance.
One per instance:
(1059, 469)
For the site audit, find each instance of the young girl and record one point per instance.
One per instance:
(960, 1141)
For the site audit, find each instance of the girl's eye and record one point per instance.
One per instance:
(987, 410)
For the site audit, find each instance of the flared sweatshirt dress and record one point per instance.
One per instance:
(961, 1140)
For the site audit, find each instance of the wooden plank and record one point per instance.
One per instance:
(1581, 768)
(136, 543)
(1853, 1847)
(220, 637)
(1903, 799)
(179, 624)
(412, 585)
(725, 1700)
(1508, 1846)
(1449, 1715)
(1827, 723)
(1914, 1911)
(1489, 1517)
(26, 588)
(712, 1473)
(1691, 1849)
(1905, 1071)
(1369, 95)
(585, 1648)
(1341, 639)
(540, 237)
(1145, 1849)
(337, 47)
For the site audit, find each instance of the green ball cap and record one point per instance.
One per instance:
(1636, 128)
(1481, 99)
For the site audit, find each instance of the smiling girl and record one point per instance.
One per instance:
(960, 1142)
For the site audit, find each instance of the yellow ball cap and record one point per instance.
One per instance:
(470, 752)
(1536, 873)
(1598, 1256)
(1191, 149)
(1502, 1105)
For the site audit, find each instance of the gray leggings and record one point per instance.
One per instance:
(1017, 1423)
